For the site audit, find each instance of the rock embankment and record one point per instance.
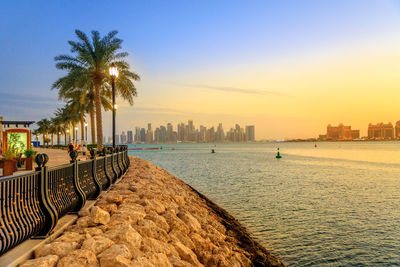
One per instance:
(151, 218)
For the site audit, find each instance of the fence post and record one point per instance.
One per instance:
(121, 171)
(49, 211)
(94, 171)
(77, 187)
(113, 166)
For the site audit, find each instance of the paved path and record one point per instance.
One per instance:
(57, 156)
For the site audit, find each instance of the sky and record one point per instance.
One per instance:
(288, 67)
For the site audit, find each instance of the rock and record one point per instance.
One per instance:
(148, 228)
(160, 260)
(93, 231)
(125, 234)
(109, 207)
(83, 212)
(186, 254)
(60, 249)
(79, 258)
(158, 220)
(113, 197)
(84, 222)
(47, 261)
(71, 237)
(190, 221)
(175, 223)
(115, 256)
(177, 262)
(184, 239)
(151, 245)
(180, 200)
(99, 216)
(97, 244)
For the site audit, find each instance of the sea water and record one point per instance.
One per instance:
(337, 204)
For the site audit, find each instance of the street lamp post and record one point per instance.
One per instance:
(114, 74)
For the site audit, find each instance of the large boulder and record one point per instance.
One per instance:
(97, 244)
(71, 237)
(47, 261)
(124, 234)
(118, 255)
(60, 249)
(79, 258)
(98, 215)
(186, 254)
(190, 221)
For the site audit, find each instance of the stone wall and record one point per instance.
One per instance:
(151, 218)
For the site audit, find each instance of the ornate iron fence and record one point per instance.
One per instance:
(32, 203)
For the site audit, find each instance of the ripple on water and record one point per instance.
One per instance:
(337, 205)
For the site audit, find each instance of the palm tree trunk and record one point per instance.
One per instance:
(52, 139)
(44, 139)
(58, 138)
(99, 122)
(82, 129)
(70, 132)
(92, 125)
(73, 133)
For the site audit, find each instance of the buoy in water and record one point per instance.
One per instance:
(278, 155)
(212, 151)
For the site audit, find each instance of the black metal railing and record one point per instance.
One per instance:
(32, 203)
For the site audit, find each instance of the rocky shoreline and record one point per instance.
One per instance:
(151, 218)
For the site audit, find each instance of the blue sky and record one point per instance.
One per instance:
(181, 48)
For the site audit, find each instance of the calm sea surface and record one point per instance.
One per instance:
(334, 205)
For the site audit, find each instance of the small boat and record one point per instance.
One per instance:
(278, 155)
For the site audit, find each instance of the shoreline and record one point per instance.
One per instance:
(152, 218)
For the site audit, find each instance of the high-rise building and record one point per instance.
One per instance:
(170, 131)
(116, 139)
(130, 137)
(137, 134)
(220, 136)
(397, 130)
(250, 133)
(341, 132)
(380, 131)
(123, 138)
(191, 131)
(202, 134)
(143, 135)
(181, 132)
(149, 138)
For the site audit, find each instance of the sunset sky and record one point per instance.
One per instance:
(287, 67)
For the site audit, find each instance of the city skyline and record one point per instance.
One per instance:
(184, 133)
(326, 60)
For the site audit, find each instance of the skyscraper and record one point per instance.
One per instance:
(123, 138)
(250, 133)
(149, 138)
(143, 135)
(137, 134)
(130, 137)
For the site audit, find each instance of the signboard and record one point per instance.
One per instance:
(17, 139)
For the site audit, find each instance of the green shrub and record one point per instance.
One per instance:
(29, 153)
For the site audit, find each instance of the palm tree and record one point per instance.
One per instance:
(65, 117)
(57, 126)
(88, 68)
(43, 128)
